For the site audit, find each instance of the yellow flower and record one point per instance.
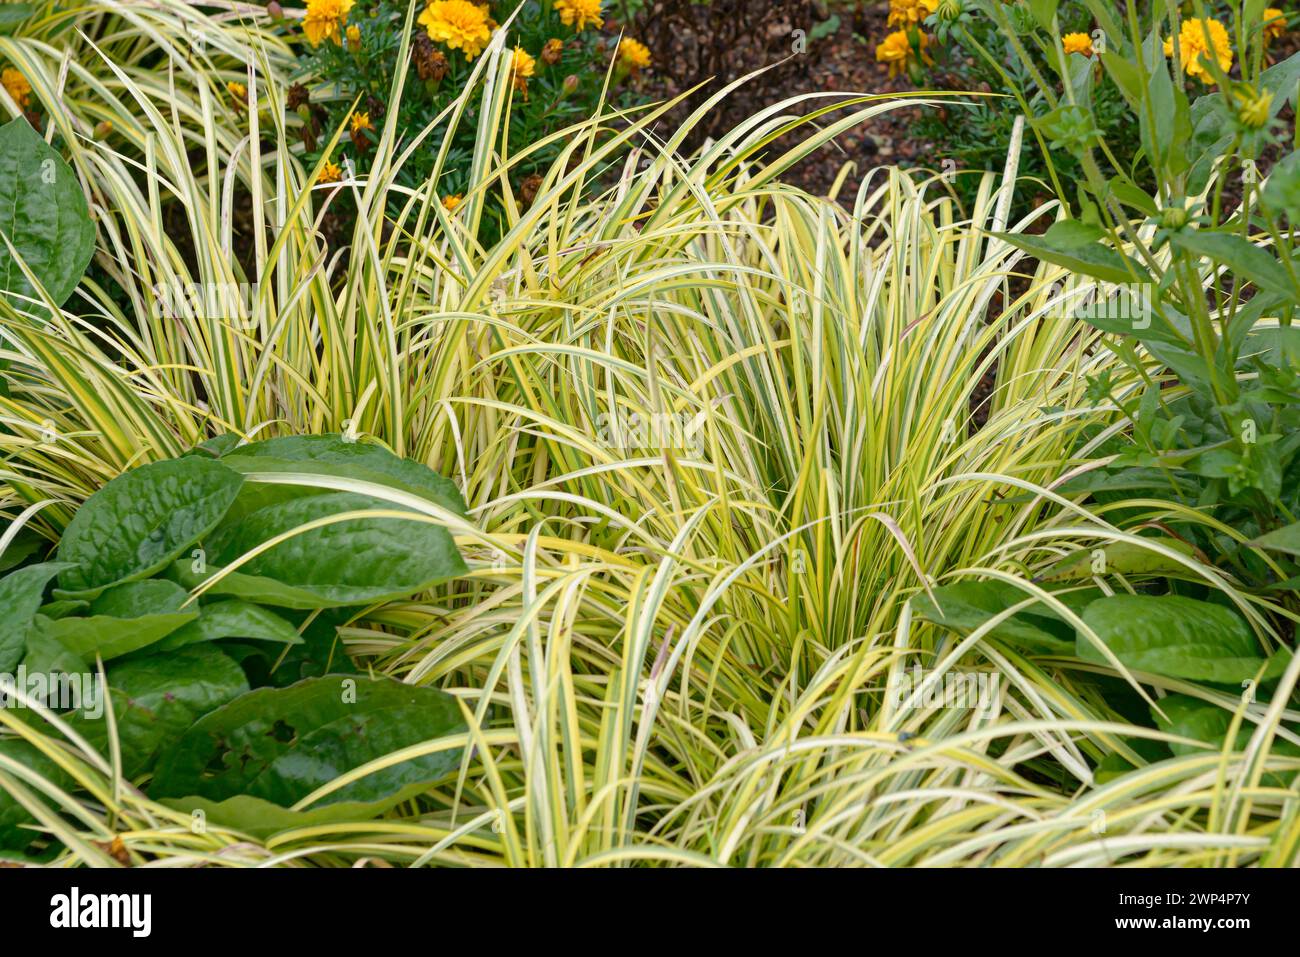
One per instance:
(323, 20)
(1077, 43)
(16, 84)
(905, 13)
(579, 13)
(1274, 23)
(329, 173)
(459, 24)
(354, 37)
(449, 203)
(360, 121)
(1192, 48)
(1253, 107)
(634, 54)
(238, 91)
(897, 51)
(522, 66)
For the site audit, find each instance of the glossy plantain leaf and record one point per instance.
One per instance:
(250, 588)
(23, 546)
(20, 599)
(275, 746)
(1174, 636)
(965, 606)
(46, 655)
(352, 562)
(1200, 720)
(1125, 558)
(13, 836)
(123, 619)
(156, 698)
(231, 618)
(1285, 539)
(332, 455)
(143, 519)
(43, 215)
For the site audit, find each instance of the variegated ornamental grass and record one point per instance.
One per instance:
(668, 651)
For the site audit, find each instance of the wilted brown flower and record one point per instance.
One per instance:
(297, 96)
(430, 63)
(552, 50)
(528, 188)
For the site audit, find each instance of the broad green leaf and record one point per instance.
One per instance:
(1285, 539)
(13, 14)
(351, 562)
(278, 745)
(232, 618)
(251, 588)
(24, 545)
(1200, 720)
(1095, 260)
(49, 657)
(1123, 558)
(123, 619)
(20, 599)
(144, 519)
(1243, 258)
(1173, 636)
(43, 214)
(965, 606)
(156, 698)
(334, 456)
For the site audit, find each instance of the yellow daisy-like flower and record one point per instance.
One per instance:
(238, 91)
(324, 20)
(459, 24)
(896, 50)
(634, 54)
(449, 203)
(359, 122)
(905, 13)
(1077, 43)
(329, 173)
(579, 13)
(16, 84)
(354, 37)
(1192, 48)
(1274, 23)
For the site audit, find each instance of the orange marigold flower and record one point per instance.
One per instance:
(1077, 43)
(324, 20)
(1193, 50)
(329, 173)
(906, 13)
(1274, 23)
(634, 54)
(459, 24)
(897, 51)
(16, 85)
(579, 13)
